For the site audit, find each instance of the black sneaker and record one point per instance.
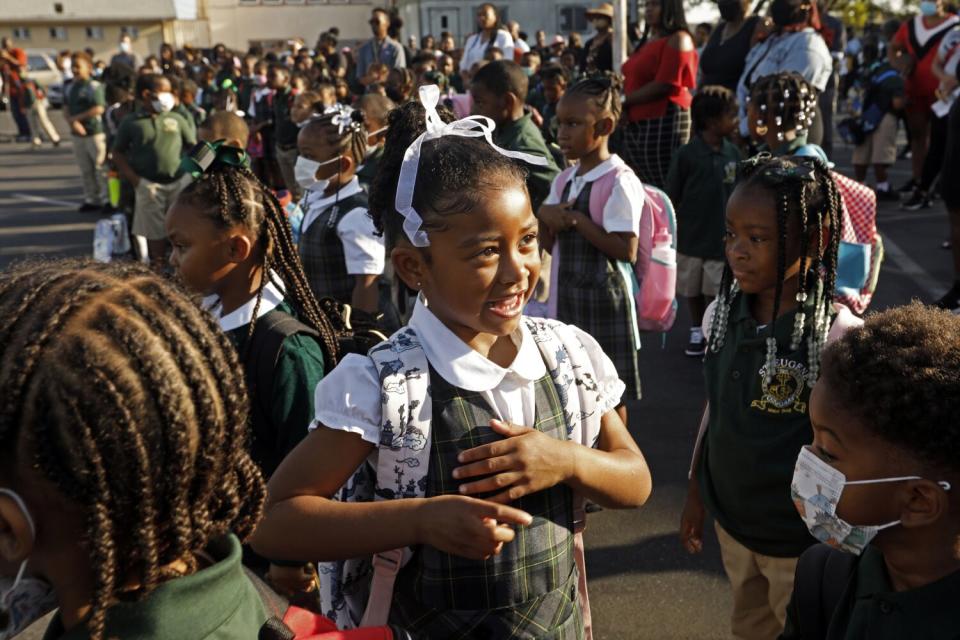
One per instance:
(951, 299)
(909, 187)
(89, 207)
(916, 202)
(698, 344)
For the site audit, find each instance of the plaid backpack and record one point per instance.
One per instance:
(861, 246)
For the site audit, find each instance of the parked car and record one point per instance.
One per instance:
(42, 69)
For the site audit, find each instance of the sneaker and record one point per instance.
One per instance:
(909, 187)
(951, 299)
(89, 207)
(698, 344)
(916, 201)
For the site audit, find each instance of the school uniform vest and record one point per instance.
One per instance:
(321, 251)
(529, 590)
(594, 296)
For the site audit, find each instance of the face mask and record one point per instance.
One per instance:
(928, 9)
(261, 80)
(125, 47)
(816, 491)
(730, 11)
(600, 24)
(305, 171)
(26, 599)
(527, 71)
(164, 102)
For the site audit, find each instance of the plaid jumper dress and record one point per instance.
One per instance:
(530, 589)
(594, 297)
(321, 251)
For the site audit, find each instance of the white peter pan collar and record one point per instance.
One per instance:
(611, 163)
(272, 296)
(463, 367)
(316, 208)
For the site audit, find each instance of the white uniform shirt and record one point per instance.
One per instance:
(272, 296)
(476, 48)
(363, 250)
(621, 213)
(348, 399)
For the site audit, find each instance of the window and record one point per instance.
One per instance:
(573, 18)
(94, 33)
(316, 1)
(296, 2)
(249, 3)
(58, 33)
(21, 33)
(130, 30)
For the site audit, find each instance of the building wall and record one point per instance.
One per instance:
(238, 23)
(149, 35)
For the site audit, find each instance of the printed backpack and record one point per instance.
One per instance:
(861, 246)
(653, 277)
(358, 592)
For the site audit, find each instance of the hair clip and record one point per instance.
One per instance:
(205, 155)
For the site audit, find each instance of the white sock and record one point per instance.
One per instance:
(883, 186)
(142, 249)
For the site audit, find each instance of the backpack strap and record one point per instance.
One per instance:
(266, 344)
(822, 575)
(403, 455)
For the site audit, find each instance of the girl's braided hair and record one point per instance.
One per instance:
(344, 128)
(130, 400)
(803, 190)
(604, 89)
(789, 98)
(231, 195)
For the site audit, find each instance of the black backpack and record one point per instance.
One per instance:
(821, 579)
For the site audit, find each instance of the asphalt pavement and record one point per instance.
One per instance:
(642, 584)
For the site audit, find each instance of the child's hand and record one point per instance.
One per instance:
(526, 462)
(691, 520)
(557, 217)
(78, 128)
(468, 527)
(288, 581)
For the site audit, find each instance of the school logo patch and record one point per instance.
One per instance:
(170, 125)
(784, 392)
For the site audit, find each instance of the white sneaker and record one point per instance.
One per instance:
(698, 344)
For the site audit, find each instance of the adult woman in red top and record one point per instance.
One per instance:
(913, 50)
(657, 82)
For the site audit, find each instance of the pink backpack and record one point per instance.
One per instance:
(655, 270)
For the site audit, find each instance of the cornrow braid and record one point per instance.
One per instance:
(803, 190)
(345, 128)
(786, 97)
(234, 195)
(113, 377)
(604, 89)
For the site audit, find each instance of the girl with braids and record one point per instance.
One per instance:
(767, 328)
(342, 254)
(457, 216)
(126, 482)
(231, 243)
(780, 112)
(594, 241)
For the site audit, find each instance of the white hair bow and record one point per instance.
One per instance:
(469, 127)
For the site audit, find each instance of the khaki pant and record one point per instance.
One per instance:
(39, 122)
(150, 208)
(91, 153)
(286, 160)
(762, 586)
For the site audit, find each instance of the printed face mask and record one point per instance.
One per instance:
(816, 491)
(305, 171)
(26, 599)
(164, 102)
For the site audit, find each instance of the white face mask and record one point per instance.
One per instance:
(164, 102)
(816, 491)
(125, 47)
(305, 172)
(26, 599)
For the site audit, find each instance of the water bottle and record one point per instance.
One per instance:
(663, 251)
(113, 188)
(121, 237)
(103, 240)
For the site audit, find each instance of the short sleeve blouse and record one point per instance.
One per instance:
(656, 61)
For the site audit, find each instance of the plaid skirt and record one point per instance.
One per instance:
(649, 145)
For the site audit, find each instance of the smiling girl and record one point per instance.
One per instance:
(491, 523)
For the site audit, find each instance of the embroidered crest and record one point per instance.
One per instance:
(783, 391)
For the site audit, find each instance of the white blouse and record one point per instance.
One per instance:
(621, 213)
(476, 47)
(348, 398)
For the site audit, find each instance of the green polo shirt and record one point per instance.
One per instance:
(154, 143)
(218, 602)
(700, 181)
(283, 126)
(755, 433)
(299, 370)
(83, 95)
(870, 609)
(523, 135)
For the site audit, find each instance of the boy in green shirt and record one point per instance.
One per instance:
(85, 105)
(499, 92)
(700, 180)
(147, 151)
(880, 483)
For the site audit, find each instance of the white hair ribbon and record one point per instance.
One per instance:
(469, 127)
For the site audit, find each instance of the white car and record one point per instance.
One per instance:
(42, 69)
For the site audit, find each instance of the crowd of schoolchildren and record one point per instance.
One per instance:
(372, 369)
